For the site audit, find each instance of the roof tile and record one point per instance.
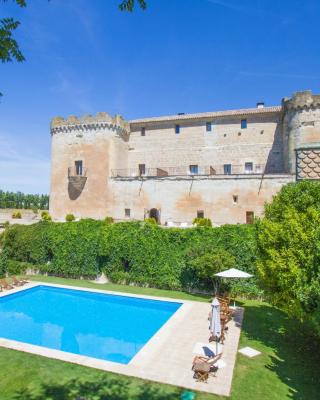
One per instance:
(239, 112)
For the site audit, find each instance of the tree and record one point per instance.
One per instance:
(206, 265)
(128, 5)
(9, 48)
(289, 250)
(20, 200)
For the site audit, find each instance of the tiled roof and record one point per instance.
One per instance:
(177, 117)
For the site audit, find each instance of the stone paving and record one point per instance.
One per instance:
(167, 357)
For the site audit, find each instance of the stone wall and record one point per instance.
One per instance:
(179, 199)
(227, 143)
(106, 144)
(301, 126)
(98, 145)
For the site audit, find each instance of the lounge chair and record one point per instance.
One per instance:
(17, 282)
(5, 285)
(204, 366)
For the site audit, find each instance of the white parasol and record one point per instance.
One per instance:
(233, 273)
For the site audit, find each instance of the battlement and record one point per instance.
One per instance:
(101, 120)
(301, 101)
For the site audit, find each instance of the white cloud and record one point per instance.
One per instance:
(278, 75)
(22, 168)
(76, 92)
(242, 7)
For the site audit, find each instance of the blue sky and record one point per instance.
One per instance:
(85, 56)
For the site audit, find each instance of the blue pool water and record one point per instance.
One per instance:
(103, 326)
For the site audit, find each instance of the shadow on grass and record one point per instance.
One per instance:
(296, 356)
(106, 388)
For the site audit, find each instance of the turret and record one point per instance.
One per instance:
(84, 150)
(301, 134)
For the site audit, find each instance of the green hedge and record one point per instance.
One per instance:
(132, 252)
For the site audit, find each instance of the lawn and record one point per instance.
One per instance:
(287, 369)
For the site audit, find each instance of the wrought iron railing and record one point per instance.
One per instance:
(194, 170)
(76, 171)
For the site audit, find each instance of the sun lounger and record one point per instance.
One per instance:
(17, 282)
(5, 285)
(205, 366)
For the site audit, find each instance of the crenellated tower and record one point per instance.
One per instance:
(301, 135)
(84, 150)
(224, 165)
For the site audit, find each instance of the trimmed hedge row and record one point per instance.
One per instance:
(133, 252)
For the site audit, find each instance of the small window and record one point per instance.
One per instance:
(143, 131)
(79, 167)
(177, 129)
(193, 169)
(142, 169)
(227, 169)
(248, 167)
(208, 126)
(249, 217)
(200, 214)
(243, 124)
(235, 199)
(127, 212)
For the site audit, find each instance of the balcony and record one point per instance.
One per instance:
(184, 171)
(77, 178)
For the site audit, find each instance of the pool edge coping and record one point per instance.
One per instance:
(143, 355)
(138, 364)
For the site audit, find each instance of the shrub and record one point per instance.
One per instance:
(133, 252)
(45, 216)
(35, 209)
(202, 222)
(108, 220)
(289, 250)
(18, 267)
(70, 217)
(151, 220)
(17, 215)
(3, 264)
(207, 265)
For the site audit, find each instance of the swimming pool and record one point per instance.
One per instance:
(104, 326)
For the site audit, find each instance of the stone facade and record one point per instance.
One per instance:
(223, 165)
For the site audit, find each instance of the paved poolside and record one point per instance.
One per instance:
(167, 357)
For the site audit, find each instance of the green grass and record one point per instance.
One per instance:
(288, 368)
(173, 294)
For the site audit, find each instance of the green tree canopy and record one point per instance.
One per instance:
(289, 250)
(128, 5)
(20, 200)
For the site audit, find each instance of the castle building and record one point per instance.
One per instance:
(223, 165)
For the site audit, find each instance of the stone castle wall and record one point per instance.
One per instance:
(301, 127)
(99, 144)
(179, 199)
(108, 144)
(227, 143)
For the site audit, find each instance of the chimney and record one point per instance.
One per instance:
(260, 104)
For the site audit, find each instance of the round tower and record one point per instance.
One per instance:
(84, 151)
(301, 134)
